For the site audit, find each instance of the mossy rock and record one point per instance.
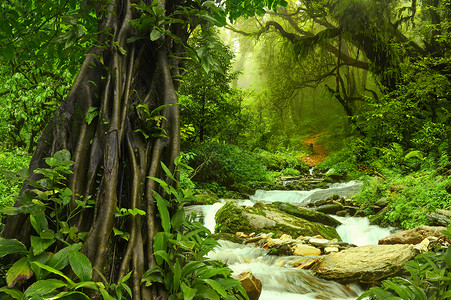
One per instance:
(232, 218)
(227, 236)
(307, 214)
(204, 199)
(229, 219)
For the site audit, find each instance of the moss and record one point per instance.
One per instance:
(227, 236)
(230, 219)
(205, 199)
(309, 215)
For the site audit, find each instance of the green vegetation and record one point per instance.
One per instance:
(123, 86)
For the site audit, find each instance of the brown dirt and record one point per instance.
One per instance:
(319, 152)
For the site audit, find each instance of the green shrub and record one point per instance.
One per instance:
(410, 197)
(11, 162)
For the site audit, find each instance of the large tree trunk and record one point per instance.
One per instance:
(112, 160)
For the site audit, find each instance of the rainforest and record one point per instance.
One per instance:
(195, 149)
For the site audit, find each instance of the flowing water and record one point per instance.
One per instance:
(280, 280)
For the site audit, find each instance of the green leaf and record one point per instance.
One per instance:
(188, 293)
(163, 184)
(205, 292)
(62, 155)
(52, 270)
(39, 221)
(42, 258)
(14, 293)
(80, 265)
(177, 276)
(164, 255)
(217, 287)
(155, 34)
(448, 257)
(160, 242)
(164, 212)
(61, 259)
(91, 114)
(38, 245)
(178, 218)
(105, 295)
(11, 246)
(43, 287)
(190, 267)
(167, 171)
(71, 296)
(19, 272)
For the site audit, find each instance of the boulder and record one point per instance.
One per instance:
(304, 250)
(441, 217)
(251, 285)
(414, 236)
(232, 218)
(307, 214)
(367, 264)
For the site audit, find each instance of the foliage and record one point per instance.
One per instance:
(429, 278)
(226, 165)
(207, 101)
(410, 197)
(29, 97)
(49, 194)
(180, 251)
(11, 163)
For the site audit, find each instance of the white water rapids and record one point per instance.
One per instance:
(279, 279)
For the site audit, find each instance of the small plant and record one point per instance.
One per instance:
(180, 251)
(48, 201)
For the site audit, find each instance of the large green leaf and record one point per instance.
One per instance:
(38, 245)
(11, 246)
(53, 270)
(61, 259)
(217, 287)
(19, 272)
(164, 212)
(80, 265)
(43, 287)
(188, 293)
(178, 218)
(39, 221)
(14, 293)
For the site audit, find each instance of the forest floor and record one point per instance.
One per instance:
(319, 152)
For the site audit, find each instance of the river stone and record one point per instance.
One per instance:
(304, 250)
(414, 236)
(330, 249)
(330, 208)
(366, 264)
(318, 242)
(251, 285)
(307, 214)
(266, 218)
(441, 217)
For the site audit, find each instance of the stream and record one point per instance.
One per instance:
(278, 276)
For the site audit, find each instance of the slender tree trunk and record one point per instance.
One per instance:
(113, 162)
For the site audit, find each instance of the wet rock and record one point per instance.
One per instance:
(307, 214)
(367, 264)
(377, 218)
(307, 263)
(330, 208)
(382, 202)
(441, 217)
(319, 242)
(251, 285)
(331, 249)
(414, 236)
(241, 235)
(342, 213)
(266, 218)
(281, 250)
(304, 250)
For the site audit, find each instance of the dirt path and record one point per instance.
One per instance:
(319, 152)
